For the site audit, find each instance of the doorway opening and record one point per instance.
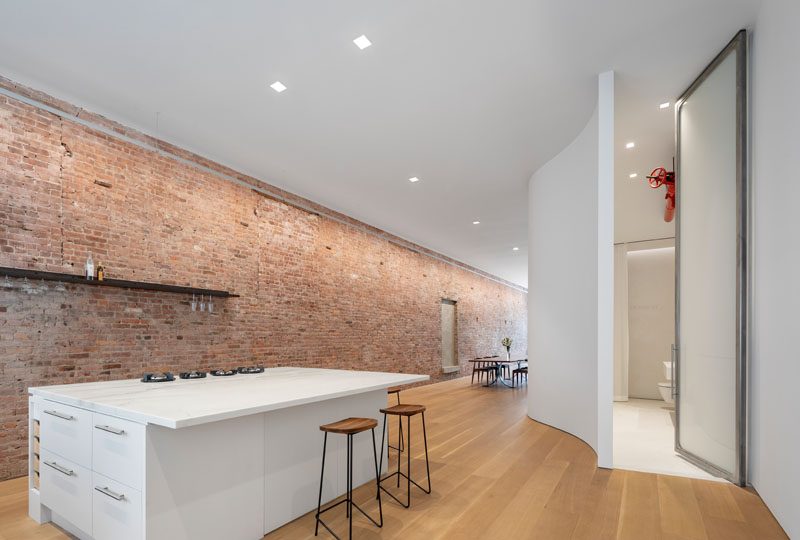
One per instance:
(644, 410)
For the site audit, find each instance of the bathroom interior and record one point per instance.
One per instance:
(644, 404)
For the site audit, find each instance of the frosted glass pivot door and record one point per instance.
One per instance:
(711, 277)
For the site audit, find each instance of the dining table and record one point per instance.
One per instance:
(497, 363)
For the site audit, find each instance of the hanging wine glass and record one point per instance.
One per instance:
(202, 303)
(194, 302)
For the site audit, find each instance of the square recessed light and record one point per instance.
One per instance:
(413, 179)
(633, 175)
(664, 105)
(630, 145)
(476, 222)
(515, 248)
(278, 86)
(362, 42)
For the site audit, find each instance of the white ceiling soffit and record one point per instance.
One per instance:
(470, 96)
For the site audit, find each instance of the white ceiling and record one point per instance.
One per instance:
(471, 96)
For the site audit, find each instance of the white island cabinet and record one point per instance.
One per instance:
(221, 457)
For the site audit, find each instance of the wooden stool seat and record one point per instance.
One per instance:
(349, 426)
(393, 390)
(404, 409)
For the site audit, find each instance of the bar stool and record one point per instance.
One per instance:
(396, 390)
(408, 411)
(349, 427)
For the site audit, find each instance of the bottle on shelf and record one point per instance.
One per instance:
(101, 271)
(89, 267)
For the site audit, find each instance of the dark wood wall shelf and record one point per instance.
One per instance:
(120, 283)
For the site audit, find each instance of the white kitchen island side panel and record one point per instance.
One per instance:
(206, 481)
(294, 454)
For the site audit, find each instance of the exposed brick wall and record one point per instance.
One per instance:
(314, 291)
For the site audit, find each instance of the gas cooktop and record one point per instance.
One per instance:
(198, 374)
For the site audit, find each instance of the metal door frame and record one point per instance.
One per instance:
(738, 45)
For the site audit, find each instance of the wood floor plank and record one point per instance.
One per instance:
(602, 521)
(530, 501)
(497, 474)
(759, 519)
(716, 500)
(679, 510)
(640, 513)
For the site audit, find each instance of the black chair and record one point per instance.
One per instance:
(349, 427)
(481, 368)
(518, 374)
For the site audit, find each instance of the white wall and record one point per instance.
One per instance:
(651, 319)
(562, 289)
(568, 357)
(775, 349)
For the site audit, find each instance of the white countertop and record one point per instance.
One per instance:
(183, 403)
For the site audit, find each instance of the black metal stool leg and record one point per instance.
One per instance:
(350, 482)
(427, 463)
(401, 427)
(377, 478)
(408, 462)
(321, 477)
(380, 463)
(399, 440)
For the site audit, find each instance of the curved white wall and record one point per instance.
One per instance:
(569, 346)
(562, 289)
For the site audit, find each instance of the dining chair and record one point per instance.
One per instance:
(481, 368)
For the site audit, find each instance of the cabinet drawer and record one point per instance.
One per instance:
(66, 488)
(67, 431)
(118, 449)
(116, 510)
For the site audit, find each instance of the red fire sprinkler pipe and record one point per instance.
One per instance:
(661, 177)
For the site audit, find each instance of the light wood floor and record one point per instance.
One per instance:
(499, 475)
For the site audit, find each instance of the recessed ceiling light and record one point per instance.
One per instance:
(664, 105)
(362, 42)
(630, 145)
(515, 248)
(476, 222)
(278, 86)
(633, 175)
(413, 179)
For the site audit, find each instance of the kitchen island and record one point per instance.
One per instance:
(219, 457)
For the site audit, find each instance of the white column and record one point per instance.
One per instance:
(605, 269)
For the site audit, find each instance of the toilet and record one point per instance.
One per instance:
(665, 388)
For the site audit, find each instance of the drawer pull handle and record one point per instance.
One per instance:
(60, 415)
(107, 492)
(59, 468)
(110, 429)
